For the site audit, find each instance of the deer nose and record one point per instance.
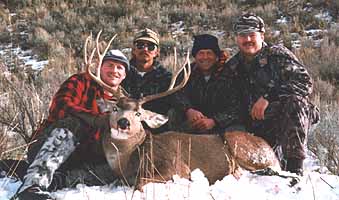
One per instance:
(123, 123)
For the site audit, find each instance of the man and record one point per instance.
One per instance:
(146, 75)
(70, 137)
(276, 88)
(208, 103)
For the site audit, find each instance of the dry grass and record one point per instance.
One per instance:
(3, 141)
(57, 30)
(324, 140)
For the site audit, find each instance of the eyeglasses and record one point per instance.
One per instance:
(142, 45)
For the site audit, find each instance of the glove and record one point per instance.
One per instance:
(96, 121)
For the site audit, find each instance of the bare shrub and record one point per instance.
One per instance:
(21, 108)
(327, 92)
(40, 40)
(24, 102)
(324, 140)
(228, 16)
(321, 61)
(267, 12)
(3, 141)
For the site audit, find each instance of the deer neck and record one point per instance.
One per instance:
(120, 154)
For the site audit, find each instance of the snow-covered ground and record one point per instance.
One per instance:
(314, 185)
(10, 53)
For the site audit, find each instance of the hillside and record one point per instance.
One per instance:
(53, 33)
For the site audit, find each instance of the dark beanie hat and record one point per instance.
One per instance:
(205, 41)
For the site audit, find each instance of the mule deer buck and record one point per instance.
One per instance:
(140, 157)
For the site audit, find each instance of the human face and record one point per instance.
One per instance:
(205, 59)
(250, 43)
(112, 73)
(144, 51)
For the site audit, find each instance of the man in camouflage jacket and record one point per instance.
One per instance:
(275, 92)
(209, 102)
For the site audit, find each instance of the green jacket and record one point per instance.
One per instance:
(216, 98)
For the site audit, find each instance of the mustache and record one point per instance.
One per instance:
(248, 43)
(145, 53)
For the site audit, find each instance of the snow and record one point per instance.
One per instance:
(325, 16)
(9, 52)
(313, 185)
(282, 20)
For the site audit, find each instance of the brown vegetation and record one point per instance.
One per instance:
(57, 29)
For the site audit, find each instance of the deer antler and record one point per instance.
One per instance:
(171, 89)
(88, 61)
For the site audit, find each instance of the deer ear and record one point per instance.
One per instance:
(154, 120)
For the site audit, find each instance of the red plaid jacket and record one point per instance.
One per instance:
(77, 94)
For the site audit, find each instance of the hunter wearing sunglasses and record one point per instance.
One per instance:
(146, 75)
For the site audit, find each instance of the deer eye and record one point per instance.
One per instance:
(138, 114)
(115, 109)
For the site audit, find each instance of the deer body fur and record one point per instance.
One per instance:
(160, 157)
(140, 157)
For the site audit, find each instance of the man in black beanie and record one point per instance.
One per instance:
(208, 103)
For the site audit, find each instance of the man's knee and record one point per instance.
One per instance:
(70, 123)
(293, 105)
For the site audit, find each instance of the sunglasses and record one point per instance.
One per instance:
(142, 45)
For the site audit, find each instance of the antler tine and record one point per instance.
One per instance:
(101, 56)
(174, 77)
(88, 61)
(85, 49)
(170, 89)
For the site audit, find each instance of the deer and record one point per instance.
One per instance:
(138, 157)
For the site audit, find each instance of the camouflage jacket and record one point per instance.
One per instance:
(274, 73)
(215, 98)
(153, 82)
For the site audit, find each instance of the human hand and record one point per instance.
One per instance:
(95, 121)
(193, 115)
(258, 109)
(203, 124)
(101, 121)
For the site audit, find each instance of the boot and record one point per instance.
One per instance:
(32, 193)
(295, 165)
(54, 151)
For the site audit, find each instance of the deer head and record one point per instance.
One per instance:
(127, 114)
